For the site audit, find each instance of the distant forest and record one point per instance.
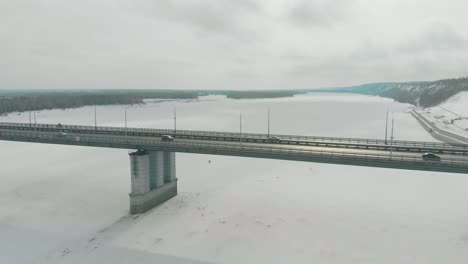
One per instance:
(42, 100)
(34, 100)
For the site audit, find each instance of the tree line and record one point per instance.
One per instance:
(43, 101)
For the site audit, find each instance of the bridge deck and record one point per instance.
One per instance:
(358, 143)
(372, 153)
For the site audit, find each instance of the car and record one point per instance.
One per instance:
(167, 138)
(430, 156)
(62, 134)
(274, 139)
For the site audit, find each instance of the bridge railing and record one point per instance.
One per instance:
(198, 147)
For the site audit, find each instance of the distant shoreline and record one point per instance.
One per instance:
(423, 94)
(36, 100)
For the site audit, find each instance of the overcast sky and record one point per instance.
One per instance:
(222, 44)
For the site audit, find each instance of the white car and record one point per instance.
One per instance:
(62, 134)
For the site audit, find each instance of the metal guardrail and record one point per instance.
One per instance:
(245, 149)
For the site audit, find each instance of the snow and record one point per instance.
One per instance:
(454, 109)
(63, 204)
(458, 104)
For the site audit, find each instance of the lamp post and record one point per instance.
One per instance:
(268, 132)
(386, 128)
(126, 128)
(35, 123)
(240, 128)
(95, 117)
(175, 120)
(391, 140)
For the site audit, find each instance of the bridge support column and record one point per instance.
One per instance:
(153, 179)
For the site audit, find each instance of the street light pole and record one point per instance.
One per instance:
(35, 123)
(240, 128)
(126, 121)
(175, 120)
(386, 128)
(95, 117)
(268, 135)
(391, 138)
(30, 121)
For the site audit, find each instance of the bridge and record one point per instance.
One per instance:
(152, 164)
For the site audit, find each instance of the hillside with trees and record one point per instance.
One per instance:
(423, 94)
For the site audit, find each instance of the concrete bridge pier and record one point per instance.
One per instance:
(153, 179)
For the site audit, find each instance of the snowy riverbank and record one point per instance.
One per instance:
(62, 204)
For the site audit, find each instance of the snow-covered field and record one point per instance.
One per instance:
(61, 204)
(458, 104)
(452, 115)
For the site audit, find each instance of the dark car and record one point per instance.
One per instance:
(167, 138)
(274, 139)
(430, 156)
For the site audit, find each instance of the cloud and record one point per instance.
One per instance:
(436, 38)
(436, 53)
(320, 13)
(227, 44)
(218, 17)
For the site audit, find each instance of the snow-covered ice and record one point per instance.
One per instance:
(63, 204)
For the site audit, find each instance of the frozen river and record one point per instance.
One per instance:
(62, 204)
